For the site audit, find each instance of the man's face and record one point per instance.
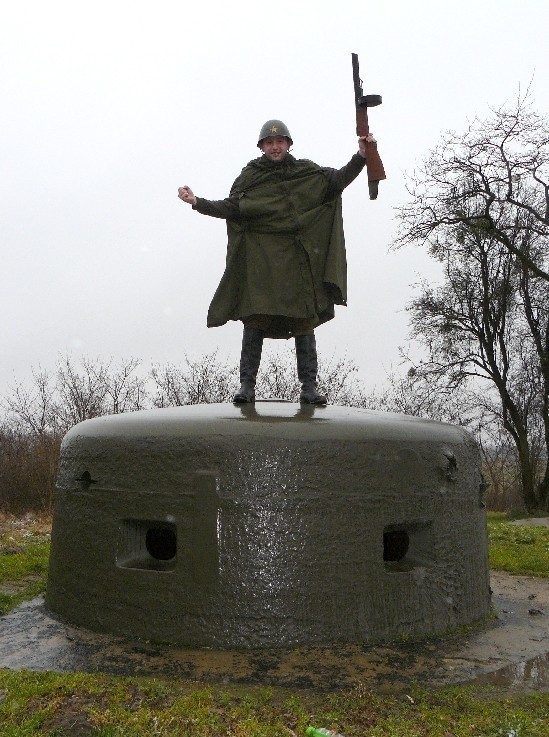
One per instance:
(275, 148)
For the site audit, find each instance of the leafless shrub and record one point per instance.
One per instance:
(202, 381)
(38, 415)
(28, 467)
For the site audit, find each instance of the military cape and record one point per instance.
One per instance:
(286, 248)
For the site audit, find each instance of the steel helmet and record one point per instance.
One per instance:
(274, 128)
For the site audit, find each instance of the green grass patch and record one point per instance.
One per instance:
(23, 575)
(24, 553)
(518, 549)
(53, 705)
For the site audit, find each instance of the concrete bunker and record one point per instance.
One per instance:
(266, 525)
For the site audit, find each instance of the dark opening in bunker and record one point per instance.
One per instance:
(161, 543)
(408, 545)
(147, 544)
(395, 545)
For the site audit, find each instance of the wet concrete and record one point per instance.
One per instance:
(267, 526)
(509, 652)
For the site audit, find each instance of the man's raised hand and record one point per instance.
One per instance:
(186, 194)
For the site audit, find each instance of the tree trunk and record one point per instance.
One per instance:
(543, 487)
(527, 475)
(528, 482)
(513, 423)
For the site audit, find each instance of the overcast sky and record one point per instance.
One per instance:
(107, 107)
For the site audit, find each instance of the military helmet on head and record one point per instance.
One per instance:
(274, 128)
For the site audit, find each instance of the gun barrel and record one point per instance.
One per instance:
(356, 80)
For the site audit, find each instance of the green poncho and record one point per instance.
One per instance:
(286, 249)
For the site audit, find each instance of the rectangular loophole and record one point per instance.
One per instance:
(408, 545)
(149, 545)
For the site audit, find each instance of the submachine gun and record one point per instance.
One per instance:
(374, 165)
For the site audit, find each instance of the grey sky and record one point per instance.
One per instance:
(107, 107)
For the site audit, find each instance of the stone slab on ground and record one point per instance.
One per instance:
(532, 522)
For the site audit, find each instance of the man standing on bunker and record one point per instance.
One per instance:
(286, 266)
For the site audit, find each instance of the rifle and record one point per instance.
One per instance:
(374, 165)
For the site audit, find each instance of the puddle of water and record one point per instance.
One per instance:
(529, 675)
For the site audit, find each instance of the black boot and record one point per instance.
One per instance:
(250, 358)
(307, 369)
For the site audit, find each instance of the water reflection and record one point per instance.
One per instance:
(530, 674)
(280, 411)
(261, 533)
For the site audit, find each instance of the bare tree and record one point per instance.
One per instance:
(32, 408)
(29, 447)
(125, 389)
(534, 295)
(80, 391)
(425, 394)
(480, 204)
(493, 176)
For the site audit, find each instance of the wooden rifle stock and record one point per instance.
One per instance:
(374, 165)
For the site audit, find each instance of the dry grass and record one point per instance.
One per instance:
(19, 531)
